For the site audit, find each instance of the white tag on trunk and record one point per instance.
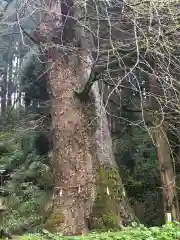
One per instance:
(107, 190)
(168, 217)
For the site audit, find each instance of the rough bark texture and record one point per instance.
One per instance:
(111, 208)
(102, 134)
(82, 142)
(167, 171)
(74, 156)
(86, 175)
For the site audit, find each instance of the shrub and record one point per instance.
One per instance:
(166, 232)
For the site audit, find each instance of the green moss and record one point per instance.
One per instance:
(106, 210)
(55, 219)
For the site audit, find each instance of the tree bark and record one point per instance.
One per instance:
(74, 156)
(82, 143)
(167, 171)
(10, 83)
(3, 92)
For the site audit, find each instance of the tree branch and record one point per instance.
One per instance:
(83, 95)
(102, 66)
(28, 35)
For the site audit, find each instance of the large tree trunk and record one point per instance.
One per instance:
(82, 142)
(168, 175)
(74, 157)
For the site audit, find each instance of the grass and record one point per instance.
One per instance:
(167, 232)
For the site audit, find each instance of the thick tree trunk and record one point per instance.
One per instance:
(168, 175)
(74, 157)
(82, 151)
(82, 155)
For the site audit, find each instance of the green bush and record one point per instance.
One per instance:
(25, 209)
(139, 169)
(29, 183)
(166, 232)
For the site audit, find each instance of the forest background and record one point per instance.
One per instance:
(89, 125)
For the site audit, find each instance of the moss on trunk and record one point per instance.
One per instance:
(111, 205)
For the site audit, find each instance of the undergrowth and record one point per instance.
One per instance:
(28, 181)
(167, 232)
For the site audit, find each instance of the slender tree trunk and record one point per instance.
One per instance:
(15, 83)
(19, 84)
(10, 83)
(3, 92)
(168, 175)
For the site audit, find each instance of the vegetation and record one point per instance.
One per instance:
(29, 181)
(89, 119)
(166, 232)
(31, 185)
